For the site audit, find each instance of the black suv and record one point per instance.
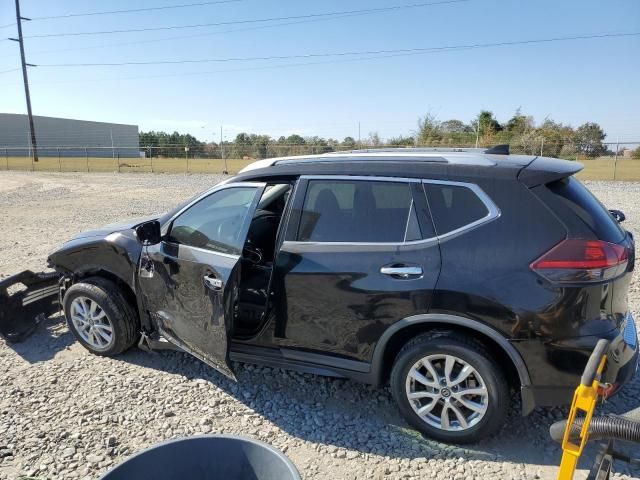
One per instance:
(454, 276)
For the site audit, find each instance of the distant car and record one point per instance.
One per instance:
(453, 275)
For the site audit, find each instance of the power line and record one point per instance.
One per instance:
(198, 35)
(135, 10)
(236, 22)
(352, 53)
(340, 61)
(8, 71)
(132, 10)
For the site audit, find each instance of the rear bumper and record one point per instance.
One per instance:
(622, 359)
(622, 364)
(26, 298)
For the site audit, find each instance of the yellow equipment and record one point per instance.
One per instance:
(582, 426)
(583, 405)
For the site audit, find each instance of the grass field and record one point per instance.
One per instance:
(96, 164)
(597, 169)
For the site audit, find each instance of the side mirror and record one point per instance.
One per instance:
(618, 215)
(149, 233)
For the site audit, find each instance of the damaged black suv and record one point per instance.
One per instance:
(455, 276)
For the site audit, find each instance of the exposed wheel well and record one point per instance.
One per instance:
(126, 290)
(401, 337)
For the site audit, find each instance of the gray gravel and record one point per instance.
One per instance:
(67, 414)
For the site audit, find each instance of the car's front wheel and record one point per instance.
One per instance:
(450, 388)
(100, 317)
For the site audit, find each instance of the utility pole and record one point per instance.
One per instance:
(541, 146)
(226, 170)
(477, 132)
(615, 161)
(113, 150)
(20, 40)
(359, 137)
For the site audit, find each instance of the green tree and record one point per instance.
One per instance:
(374, 139)
(487, 127)
(588, 140)
(429, 130)
(455, 126)
(348, 143)
(555, 136)
(487, 123)
(519, 123)
(402, 141)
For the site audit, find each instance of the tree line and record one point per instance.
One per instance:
(549, 138)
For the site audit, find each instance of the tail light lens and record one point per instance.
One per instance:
(582, 261)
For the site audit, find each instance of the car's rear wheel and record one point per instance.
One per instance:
(450, 388)
(100, 317)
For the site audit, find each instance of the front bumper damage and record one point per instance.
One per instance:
(25, 300)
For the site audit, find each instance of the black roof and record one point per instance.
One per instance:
(409, 163)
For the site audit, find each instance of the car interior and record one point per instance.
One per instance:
(257, 261)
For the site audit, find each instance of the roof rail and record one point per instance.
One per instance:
(408, 150)
(502, 149)
(356, 157)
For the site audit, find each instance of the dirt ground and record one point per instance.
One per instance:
(65, 413)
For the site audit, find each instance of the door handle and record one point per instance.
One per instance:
(402, 271)
(212, 282)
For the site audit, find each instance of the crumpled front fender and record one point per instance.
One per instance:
(21, 309)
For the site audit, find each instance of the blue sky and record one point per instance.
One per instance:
(571, 82)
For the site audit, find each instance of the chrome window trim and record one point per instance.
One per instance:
(492, 209)
(204, 250)
(373, 178)
(406, 226)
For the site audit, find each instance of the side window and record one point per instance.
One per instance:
(215, 222)
(582, 202)
(453, 206)
(358, 211)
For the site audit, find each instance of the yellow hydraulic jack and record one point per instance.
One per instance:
(582, 407)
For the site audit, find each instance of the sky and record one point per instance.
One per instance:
(569, 81)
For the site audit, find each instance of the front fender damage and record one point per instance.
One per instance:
(25, 300)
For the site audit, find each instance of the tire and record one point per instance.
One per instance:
(489, 406)
(118, 312)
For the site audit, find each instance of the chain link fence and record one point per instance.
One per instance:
(618, 163)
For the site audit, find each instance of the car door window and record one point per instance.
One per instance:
(358, 211)
(215, 222)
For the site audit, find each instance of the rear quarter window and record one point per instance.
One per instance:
(572, 193)
(453, 206)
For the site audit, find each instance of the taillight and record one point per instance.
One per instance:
(578, 261)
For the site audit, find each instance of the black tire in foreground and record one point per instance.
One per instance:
(450, 388)
(100, 316)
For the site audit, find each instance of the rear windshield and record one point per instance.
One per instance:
(586, 206)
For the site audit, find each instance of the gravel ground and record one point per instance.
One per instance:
(67, 414)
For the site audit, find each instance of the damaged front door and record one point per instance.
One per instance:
(190, 279)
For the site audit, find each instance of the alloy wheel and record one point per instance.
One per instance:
(446, 392)
(92, 323)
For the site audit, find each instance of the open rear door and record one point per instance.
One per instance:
(190, 279)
